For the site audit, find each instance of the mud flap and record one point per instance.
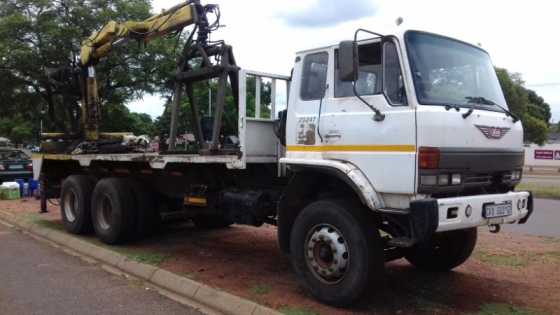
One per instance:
(424, 219)
(418, 224)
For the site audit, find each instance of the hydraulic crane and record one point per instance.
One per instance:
(215, 60)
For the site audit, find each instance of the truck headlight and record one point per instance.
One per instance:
(443, 180)
(428, 180)
(456, 179)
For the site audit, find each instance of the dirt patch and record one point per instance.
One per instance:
(508, 274)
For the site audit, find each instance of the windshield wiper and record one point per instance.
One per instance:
(484, 101)
(470, 111)
(450, 106)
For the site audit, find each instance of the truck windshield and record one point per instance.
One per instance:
(450, 72)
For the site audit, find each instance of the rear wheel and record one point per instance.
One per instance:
(336, 250)
(113, 210)
(75, 203)
(443, 251)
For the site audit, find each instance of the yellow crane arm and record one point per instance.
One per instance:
(99, 44)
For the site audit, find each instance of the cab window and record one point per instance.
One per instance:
(314, 78)
(393, 78)
(370, 75)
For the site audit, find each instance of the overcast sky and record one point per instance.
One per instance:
(519, 35)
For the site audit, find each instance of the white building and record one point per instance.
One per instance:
(547, 155)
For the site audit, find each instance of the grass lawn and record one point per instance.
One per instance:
(541, 191)
(504, 309)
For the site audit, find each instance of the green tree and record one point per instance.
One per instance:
(142, 124)
(202, 92)
(16, 128)
(514, 92)
(535, 129)
(527, 104)
(118, 118)
(537, 107)
(36, 35)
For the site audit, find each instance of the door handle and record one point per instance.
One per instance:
(333, 135)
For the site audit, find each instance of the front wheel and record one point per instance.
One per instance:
(336, 250)
(443, 251)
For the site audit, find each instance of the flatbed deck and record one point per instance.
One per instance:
(155, 160)
(257, 141)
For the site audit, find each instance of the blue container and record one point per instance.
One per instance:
(21, 183)
(33, 186)
(25, 190)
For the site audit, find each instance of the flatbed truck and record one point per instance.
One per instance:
(396, 146)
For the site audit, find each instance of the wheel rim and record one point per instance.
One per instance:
(327, 254)
(104, 213)
(70, 205)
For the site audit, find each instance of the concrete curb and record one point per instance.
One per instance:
(215, 299)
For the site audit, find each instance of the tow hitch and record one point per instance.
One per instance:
(495, 228)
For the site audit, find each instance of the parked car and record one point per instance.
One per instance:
(14, 164)
(5, 143)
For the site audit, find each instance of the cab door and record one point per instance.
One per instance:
(384, 150)
(307, 94)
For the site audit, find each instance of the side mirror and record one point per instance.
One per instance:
(348, 61)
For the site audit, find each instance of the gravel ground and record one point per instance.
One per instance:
(508, 272)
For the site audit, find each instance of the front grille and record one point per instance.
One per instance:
(472, 183)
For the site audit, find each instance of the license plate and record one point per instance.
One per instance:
(15, 167)
(497, 210)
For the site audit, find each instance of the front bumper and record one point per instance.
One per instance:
(522, 208)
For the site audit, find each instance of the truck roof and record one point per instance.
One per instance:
(398, 32)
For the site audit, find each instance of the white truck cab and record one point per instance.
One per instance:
(417, 125)
(446, 134)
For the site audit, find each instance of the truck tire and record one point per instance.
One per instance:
(444, 251)
(336, 251)
(148, 218)
(113, 210)
(75, 203)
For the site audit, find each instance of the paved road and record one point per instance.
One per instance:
(38, 279)
(545, 221)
